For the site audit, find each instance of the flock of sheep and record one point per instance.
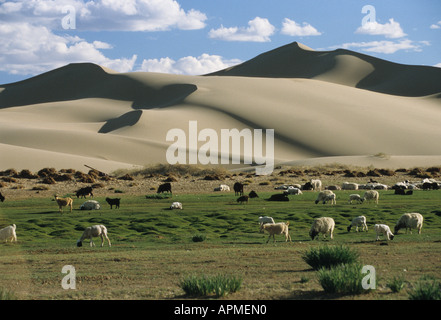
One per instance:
(324, 225)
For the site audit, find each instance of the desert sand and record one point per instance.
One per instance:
(324, 106)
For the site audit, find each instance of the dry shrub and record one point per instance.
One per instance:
(26, 174)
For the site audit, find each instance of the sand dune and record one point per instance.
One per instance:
(325, 107)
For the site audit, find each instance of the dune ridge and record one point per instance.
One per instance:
(343, 67)
(329, 106)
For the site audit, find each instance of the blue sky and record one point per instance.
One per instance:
(201, 36)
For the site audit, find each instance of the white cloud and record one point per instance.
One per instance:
(438, 65)
(188, 65)
(258, 30)
(106, 15)
(436, 25)
(392, 29)
(29, 50)
(386, 46)
(292, 28)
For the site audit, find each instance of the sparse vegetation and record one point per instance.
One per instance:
(426, 290)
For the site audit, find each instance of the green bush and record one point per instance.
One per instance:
(329, 256)
(342, 279)
(426, 290)
(204, 285)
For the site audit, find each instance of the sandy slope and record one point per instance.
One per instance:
(325, 107)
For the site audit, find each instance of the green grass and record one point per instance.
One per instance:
(147, 236)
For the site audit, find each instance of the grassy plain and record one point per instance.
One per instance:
(152, 247)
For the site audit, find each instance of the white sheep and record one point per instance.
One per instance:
(276, 228)
(176, 205)
(222, 187)
(90, 205)
(349, 186)
(266, 219)
(325, 196)
(408, 221)
(94, 231)
(8, 234)
(316, 184)
(371, 195)
(324, 225)
(64, 202)
(293, 190)
(263, 220)
(358, 222)
(355, 197)
(382, 229)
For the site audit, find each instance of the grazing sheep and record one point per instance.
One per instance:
(316, 184)
(64, 202)
(322, 225)
(349, 186)
(113, 202)
(293, 190)
(94, 231)
(408, 221)
(2, 198)
(176, 205)
(8, 233)
(382, 229)
(358, 222)
(333, 187)
(238, 189)
(371, 195)
(222, 187)
(324, 196)
(253, 194)
(355, 197)
(265, 219)
(242, 199)
(276, 228)
(90, 205)
(83, 192)
(166, 187)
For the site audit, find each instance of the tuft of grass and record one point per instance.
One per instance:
(204, 285)
(6, 294)
(396, 284)
(342, 279)
(330, 256)
(426, 290)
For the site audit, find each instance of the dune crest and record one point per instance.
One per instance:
(366, 72)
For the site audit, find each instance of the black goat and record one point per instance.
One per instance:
(83, 192)
(166, 187)
(238, 189)
(113, 202)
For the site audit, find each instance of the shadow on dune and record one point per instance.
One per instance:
(87, 80)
